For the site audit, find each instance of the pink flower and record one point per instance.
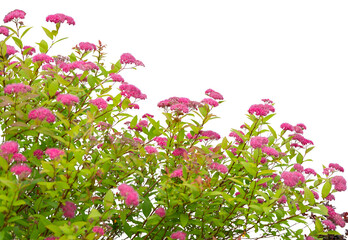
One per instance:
(42, 114)
(316, 195)
(338, 220)
(179, 152)
(127, 58)
(301, 139)
(292, 178)
(160, 212)
(100, 103)
(9, 147)
(52, 238)
(298, 167)
(282, 199)
(328, 170)
(129, 90)
(302, 126)
(179, 108)
(18, 157)
(15, 14)
(310, 238)
(150, 149)
(270, 151)
(336, 166)
(98, 230)
(330, 197)
(68, 99)
(261, 109)
(54, 153)
(69, 209)
(21, 170)
(298, 129)
(263, 160)
(60, 18)
(258, 142)
(10, 50)
(38, 153)
(340, 183)
(329, 224)
(42, 58)
(116, 77)
(210, 134)
(161, 141)
(31, 50)
(210, 102)
(146, 115)
(4, 31)
(138, 140)
(310, 171)
(178, 235)
(287, 127)
(211, 93)
(176, 173)
(17, 88)
(86, 46)
(132, 199)
(125, 189)
(237, 137)
(219, 167)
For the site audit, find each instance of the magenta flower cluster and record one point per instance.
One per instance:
(69, 209)
(176, 173)
(15, 14)
(219, 167)
(261, 109)
(54, 153)
(68, 99)
(132, 197)
(86, 46)
(258, 142)
(160, 212)
(41, 57)
(4, 31)
(98, 230)
(17, 88)
(116, 77)
(211, 93)
(100, 103)
(42, 114)
(127, 58)
(211, 135)
(129, 90)
(291, 179)
(178, 235)
(60, 18)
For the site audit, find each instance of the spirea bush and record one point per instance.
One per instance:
(75, 164)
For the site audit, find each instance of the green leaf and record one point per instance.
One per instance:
(272, 131)
(43, 46)
(326, 189)
(134, 121)
(146, 207)
(108, 199)
(299, 158)
(224, 143)
(48, 33)
(309, 196)
(183, 219)
(53, 88)
(94, 214)
(18, 42)
(3, 163)
(250, 168)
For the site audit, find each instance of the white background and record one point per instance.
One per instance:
(292, 52)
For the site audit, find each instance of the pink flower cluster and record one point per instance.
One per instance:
(140, 125)
(9, 147)
(301, 139)
(211, 93)
(150, 149)
(69, 209)
(270, 151)
(129, 90)
(116, 77)
(18, 157)
(176, 173)
(261, 109)
(10, 50)
(100, 103)
(68, 99)
(210, 102)
(210, 134)
(181, 108)
(161, 141)
(336, 166)
(31, 50)
(54, 153)
(41, 57)
(179, 102)
(4, 31)
(219, 167)
(179, 152)
(127, 58)
(60, 18)
(38, 153)
(42, 114)
(329, 224)
(82, 65)
(178, 235)
(258, 142)
(282, 199)
(130, 194)
(298, 167)
(15, 14)
(103, 126)
(160, 212)
(22, 170)
(98, 230)
(340, 183)
(237, 137)
(292, 178)
(310, 171)
(86, 46)
(17, 88)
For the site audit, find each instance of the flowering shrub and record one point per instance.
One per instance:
(74, 164)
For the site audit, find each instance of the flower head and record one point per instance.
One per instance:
(10, 50)
(178, 235)
(42, 58)
(211, 93)
(329, 224)
(15, 14)
(258, 142)
(31, 50)
(10, 147)
(160, 212)
(86, 46)
(60, 18)
(179, 152)
(38, 153)
(4, 31)
(116, 77)
(17, 88)
(54, 153)
(340, 183)
(69, 209)
(292, 178)
(176, 173)
(261, 109)
(210, 102)
(129, 90)
(211, 135)
(21, 170)
(100, 103)
(270, 151)
(287, 127)
(68, 99)
(150, 149)
(98, 230)
(42, 114)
